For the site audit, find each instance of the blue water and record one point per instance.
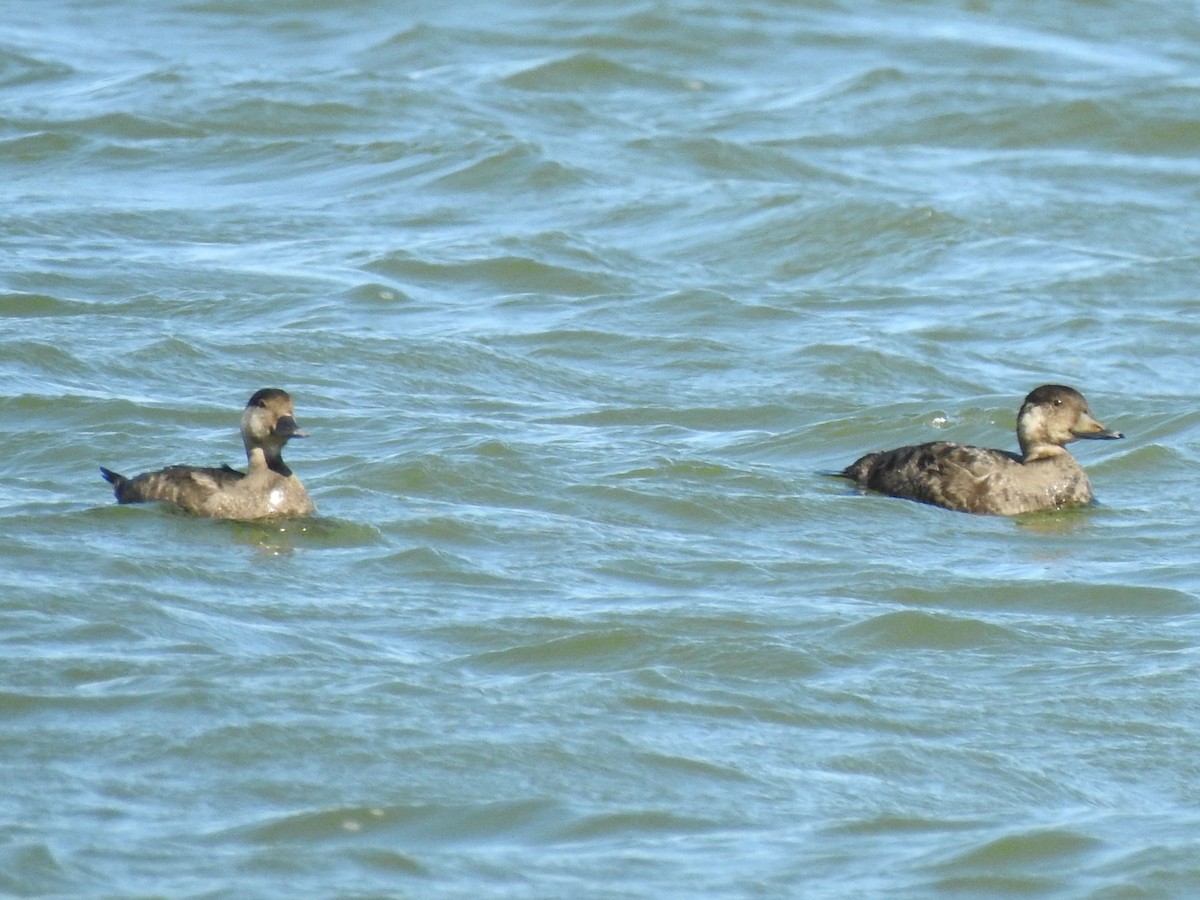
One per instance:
(580, 303)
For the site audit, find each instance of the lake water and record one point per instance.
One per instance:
(580, 302)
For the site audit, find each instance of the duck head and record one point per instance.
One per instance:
(1054, 415)
(268, 423)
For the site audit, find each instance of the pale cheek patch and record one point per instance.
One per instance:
(1033, 424)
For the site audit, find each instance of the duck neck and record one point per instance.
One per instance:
(1034, 452)
(274, 457)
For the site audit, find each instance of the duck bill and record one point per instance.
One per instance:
(286, 428)
(1091, 430)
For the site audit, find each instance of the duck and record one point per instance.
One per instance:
(1043, 476)
(266, 490)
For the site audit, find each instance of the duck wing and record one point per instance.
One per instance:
(184, 486)
(954, 476)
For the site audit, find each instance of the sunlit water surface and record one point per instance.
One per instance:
(581, 302)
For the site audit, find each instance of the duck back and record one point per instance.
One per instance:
(184, 486)
(973, 479)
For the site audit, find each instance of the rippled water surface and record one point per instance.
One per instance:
(581, 302)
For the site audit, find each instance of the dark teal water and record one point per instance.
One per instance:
(579, 302)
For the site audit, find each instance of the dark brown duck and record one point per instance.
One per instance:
(268, 489)
(978, 480)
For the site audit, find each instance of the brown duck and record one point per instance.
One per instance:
(268, 489)
(977, 480)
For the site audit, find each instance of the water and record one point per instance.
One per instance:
(579, 302)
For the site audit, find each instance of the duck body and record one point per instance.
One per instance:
(973, 479)
(267, 489)
(1043, 476)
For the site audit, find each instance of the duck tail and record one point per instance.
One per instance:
(860, 469)
(117, 480)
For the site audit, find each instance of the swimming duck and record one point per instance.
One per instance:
(977, 480)
(268, 489)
